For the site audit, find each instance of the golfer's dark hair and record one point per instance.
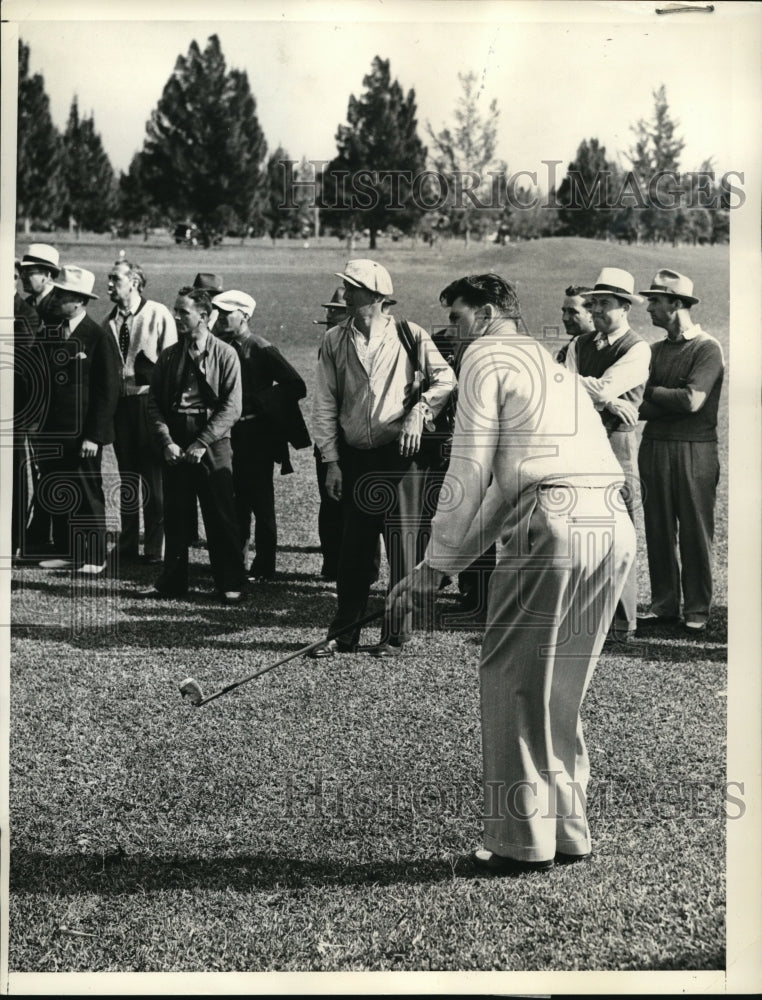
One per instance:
(574, 290)
(480, 289)
(198, 296)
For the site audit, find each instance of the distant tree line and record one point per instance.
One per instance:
(205, 159)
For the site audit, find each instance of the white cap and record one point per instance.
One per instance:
(367, 274)
(235, 300)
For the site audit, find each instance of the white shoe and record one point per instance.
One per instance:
(91, 569)
(55, 563)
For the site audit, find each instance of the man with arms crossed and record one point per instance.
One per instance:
(565, 546)
(612, 362)
(678, 459)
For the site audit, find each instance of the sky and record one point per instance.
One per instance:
(559, 73)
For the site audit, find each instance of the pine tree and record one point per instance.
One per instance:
(38, 182)
(465, 156)
(657, 149)
(204, 150)
(586, 191)
(364, 184)
(90, 184)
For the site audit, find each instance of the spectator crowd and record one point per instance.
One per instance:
(471, 454)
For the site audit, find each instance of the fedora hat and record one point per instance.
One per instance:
(368, 274)
(666, 282)
(41, 255)
(615, 281)
(338, 300)
(76, 279)
(209, 282)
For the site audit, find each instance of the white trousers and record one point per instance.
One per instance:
(559, 575)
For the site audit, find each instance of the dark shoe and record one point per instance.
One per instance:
(495, 864)
(571, 859)
(329, 648)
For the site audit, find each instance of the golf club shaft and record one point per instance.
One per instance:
(292, 656)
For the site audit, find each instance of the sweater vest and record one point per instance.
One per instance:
(594, 363)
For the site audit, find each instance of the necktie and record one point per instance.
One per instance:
(65, 331)
(124, 337)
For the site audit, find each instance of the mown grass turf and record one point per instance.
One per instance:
(321, 818)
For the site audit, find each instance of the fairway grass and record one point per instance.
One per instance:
(322, 817)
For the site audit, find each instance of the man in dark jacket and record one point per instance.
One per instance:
(194, 400)
(27, 399)
(82, 390)
(271, 389)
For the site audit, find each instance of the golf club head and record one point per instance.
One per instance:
(191, 689)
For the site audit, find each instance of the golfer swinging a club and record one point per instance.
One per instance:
(531, 468)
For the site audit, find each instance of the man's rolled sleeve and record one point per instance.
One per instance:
(325, 407)
(440, 377)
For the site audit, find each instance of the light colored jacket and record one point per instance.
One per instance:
(153, 329)
(366, 408)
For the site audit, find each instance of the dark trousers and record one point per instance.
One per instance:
(254, 493)
(473, 582)
(382, 492)
(331, 528)
(37, 539)
(21, 499)
(330, 523)
(70, 490)
(679, 492)
(141, 483)
(623, 444)
(211, 481)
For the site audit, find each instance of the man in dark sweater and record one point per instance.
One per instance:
(612, 363)
(271, 389)
(678, 458)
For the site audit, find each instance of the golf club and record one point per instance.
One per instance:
(191, 689)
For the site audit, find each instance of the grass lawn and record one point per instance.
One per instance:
(321, 818)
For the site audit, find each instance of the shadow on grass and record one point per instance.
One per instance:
(70, 874)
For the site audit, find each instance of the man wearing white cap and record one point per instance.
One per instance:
(39, 266)
(369, 437)
(82, 391)
(612, 362)
(271, 389)
(678, 458)
(141, 329)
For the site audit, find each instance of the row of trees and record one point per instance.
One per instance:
(205, 158)
(61, 178)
